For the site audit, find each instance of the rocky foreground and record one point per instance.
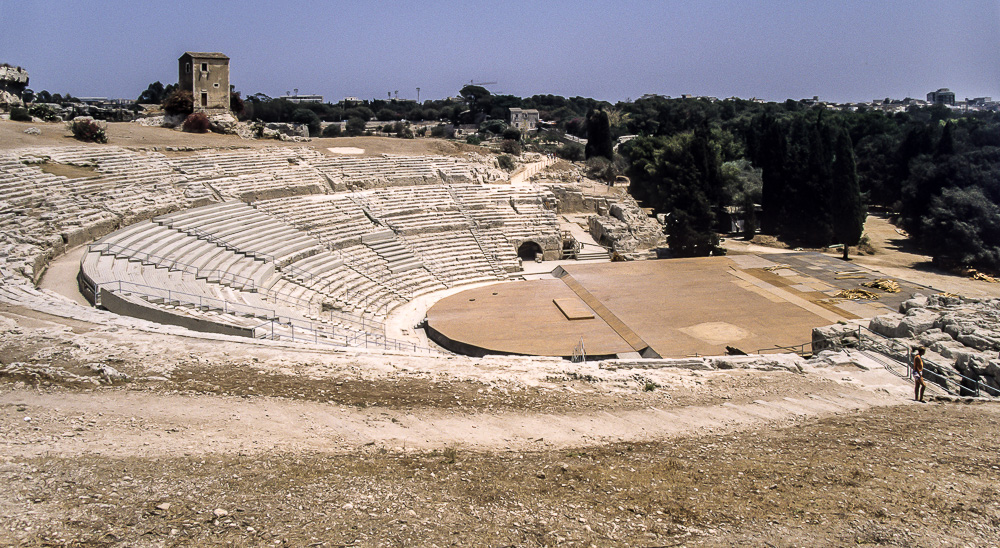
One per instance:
(118, 437)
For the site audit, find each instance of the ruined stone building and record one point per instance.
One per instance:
(524, 119)
(206, 76)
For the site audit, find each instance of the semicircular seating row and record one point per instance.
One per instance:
(327, 265)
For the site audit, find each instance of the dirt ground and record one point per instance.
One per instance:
(127, 134)
(222, 442)
(895, 256)
(225, 443)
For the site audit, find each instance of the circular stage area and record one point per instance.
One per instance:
(665, 308)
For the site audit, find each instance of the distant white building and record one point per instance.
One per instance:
(303, 98)
(524, 119)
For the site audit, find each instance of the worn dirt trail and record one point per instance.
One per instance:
(120, 421)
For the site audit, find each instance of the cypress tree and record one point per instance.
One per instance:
(771, 159)
(848, 211)
(599, 135)
(946, 145)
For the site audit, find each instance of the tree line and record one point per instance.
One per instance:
(815, 171)
(798, 171)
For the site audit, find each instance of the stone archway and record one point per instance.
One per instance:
(528, 250)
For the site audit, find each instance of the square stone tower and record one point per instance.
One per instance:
(206, 76)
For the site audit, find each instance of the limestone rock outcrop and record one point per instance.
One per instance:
(962, 335)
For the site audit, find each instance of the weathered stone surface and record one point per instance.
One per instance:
(948, 348)
(109, 375)
(918, 301)
(972, 364)
(770, 362)
(10, 100)
(33, 131)
(698, 364)
(980, 339)
(613, 233)
(917, 321)
(888, 325)
(834, 336)
(289, 130)
(223, 123)
(934, 335)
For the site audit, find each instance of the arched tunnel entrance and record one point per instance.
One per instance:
(528, 250)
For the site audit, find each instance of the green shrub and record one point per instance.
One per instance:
(179, 102)
(355, 126)
(506, 162)
(44, 112)
(444, 131)
(473, 140)
(386, 115)
(570, 151)
(601, 168)
(512, 134)
(86, 129)
(310, 119)
(493, 126)
(236, 104)
(332, 130)
(510, 147)
(402, 130)
(196, 123)
(20, 114)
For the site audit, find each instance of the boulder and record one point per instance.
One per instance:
(972, 364)
(10, 100)
(290, 130)
(980, 339)
(917, 321)
(889, 325)
(949, 348)
(834, 336)
(918, 301)
(993, 369)
(173, 120)
(33, 131)
(223, 123)
(933, 335)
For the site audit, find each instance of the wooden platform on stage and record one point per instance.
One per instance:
(670, 308)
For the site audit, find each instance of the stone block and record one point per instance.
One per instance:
(888, 325)
(933, 335)
(917, 321)
(834, 336)
(918, 301)
(972, 364)
(949, 348)
(980, 339)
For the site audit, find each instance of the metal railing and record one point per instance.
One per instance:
(946, 377)
(274, 326)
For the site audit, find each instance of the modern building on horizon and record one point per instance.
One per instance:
(943, 96)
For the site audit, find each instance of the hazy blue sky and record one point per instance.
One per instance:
(847, 50)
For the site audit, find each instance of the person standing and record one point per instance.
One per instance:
(918, 375)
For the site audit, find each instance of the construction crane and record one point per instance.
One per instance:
(474, 83)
